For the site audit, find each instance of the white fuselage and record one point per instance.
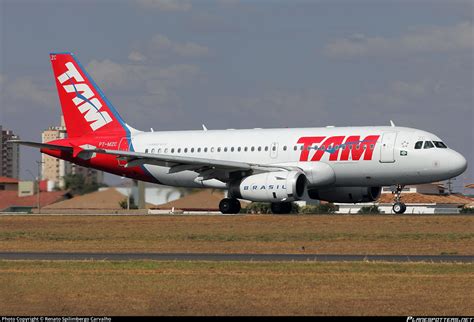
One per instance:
(392, 160)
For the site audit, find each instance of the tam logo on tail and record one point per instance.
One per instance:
(85, 101)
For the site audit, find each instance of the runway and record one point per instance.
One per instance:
(62, 256)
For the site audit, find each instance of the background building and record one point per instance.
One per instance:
(10, 155)
(54, 170)
(430, 198)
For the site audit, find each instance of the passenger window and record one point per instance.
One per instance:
(266, 148)
(158, 150)
(152, 150)
(219, 149)
(371, 146)
(284, 148)
(440, 144)
(428, 145)
(274, 148)
(172, 150)
(245, 149)
(146, 150)
(238, 149)
(192, 150)
(225, 149)
(259, 148)
(418, 145)
(295, 147)
(252, 149)
(185, 150)
(205, 149)
(166, 150)
(199, 150)
(212, 149)
(232, 149)
(179, 150)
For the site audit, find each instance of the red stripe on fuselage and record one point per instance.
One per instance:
(103, 162)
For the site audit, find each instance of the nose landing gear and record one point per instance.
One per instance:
(398, 207)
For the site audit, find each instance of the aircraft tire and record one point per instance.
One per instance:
(399, 208)
(229, 206)
(235, 206)
(281, 207)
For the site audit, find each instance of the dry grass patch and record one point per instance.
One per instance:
(234, 288)
(240, 234)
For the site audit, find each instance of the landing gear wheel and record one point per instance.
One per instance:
(235, 206)
(229, 206)
(399, 208)
(281, 207)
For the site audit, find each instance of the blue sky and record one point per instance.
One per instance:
(172, 64)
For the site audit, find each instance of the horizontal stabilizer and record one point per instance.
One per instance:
(42, 145)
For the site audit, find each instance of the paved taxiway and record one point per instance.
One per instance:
(231, 257)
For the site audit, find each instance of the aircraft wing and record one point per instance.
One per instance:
(181, 163)
(207, 168)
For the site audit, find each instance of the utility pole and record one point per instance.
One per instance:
(38, 178)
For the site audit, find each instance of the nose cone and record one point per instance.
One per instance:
(457, 163)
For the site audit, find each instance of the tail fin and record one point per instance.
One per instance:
(85, 108)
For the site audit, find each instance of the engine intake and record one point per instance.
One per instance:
(346, 194)
(270, 187)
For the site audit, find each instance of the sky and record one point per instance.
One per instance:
(177, 64)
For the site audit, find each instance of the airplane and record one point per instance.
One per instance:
(278, 166)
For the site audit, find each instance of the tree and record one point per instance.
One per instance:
(77, 184)
(326, 208)
(467, 210)
(125, 203)
(258, 208)
(369, 210)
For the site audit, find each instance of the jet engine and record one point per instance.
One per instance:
(275, 186)
(346, 194)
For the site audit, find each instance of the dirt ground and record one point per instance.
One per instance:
(351, 234)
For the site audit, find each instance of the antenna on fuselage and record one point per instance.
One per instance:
(392, 124)
(204, 128)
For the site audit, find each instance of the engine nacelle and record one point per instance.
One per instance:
(346, 194)
(270, 186)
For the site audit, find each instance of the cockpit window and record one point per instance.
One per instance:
(440, 144)
(418, 144)
(428, 145)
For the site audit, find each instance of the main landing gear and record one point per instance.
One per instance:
(281, 208)
(229, 206)
(398, 207)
